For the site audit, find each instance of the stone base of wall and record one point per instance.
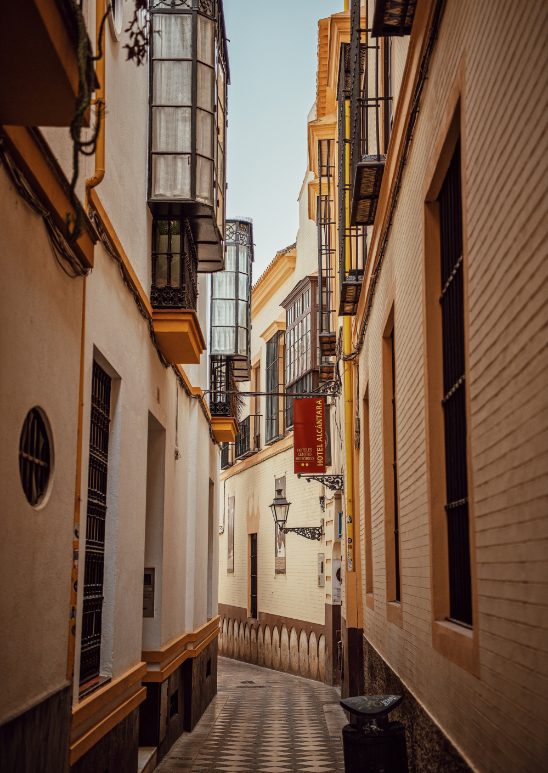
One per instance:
(280, 643)
(178, 703)
(200, 683)
(332, 639)
(352, 669)
(117, 751)
(37, 741)
(428, 748)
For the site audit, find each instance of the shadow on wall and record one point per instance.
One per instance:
(296, 653)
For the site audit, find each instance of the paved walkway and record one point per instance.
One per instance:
(263, 721)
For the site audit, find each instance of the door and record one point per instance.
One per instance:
(253, 575)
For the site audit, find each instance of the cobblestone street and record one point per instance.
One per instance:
(263, 721)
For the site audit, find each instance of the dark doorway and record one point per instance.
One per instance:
(253, 575)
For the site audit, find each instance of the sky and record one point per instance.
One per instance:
(272, 52)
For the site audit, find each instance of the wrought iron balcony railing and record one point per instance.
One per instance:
(222, 400)
(370, 104)
(174, 265)
(393, 17)
(248, 439)
(352, 240)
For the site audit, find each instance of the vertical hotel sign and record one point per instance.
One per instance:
(309, 435)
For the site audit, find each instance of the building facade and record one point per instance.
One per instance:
(439, 286)
(110, 461)
(264, 620)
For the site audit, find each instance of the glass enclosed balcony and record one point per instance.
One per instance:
(231, 300)
(188, 83)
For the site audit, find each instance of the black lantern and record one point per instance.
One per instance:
(280, 509)
(187, 126)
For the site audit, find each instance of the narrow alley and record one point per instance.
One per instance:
(263, 721)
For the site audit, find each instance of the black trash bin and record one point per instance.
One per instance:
(371, 743)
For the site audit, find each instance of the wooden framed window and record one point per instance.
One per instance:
(273, 351)
(368, 546)
(454, 632)
(454, 396)
(391, 494)
(301, 348)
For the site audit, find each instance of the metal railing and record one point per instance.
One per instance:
(174, 265)
(222, 397)
(248, 439)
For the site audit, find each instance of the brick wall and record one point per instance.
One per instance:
(497, 720)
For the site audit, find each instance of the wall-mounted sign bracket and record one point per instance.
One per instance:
(310, 532)
(333, 482)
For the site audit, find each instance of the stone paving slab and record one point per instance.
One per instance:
(263, 721)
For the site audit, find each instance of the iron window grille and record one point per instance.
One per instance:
(187, 119)
(231, 299)
(227, 455)
(397, 587)
(248, 439)
(454, 400)
(34, 457)
(325, 218)
(352, 241)
(94, 562)
(273, 362)
(174, 265)
(393, 17)
(370, 105)
(222, 400)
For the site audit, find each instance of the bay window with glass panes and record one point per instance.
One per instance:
(188, 79)
(301, 348)
(231, 300)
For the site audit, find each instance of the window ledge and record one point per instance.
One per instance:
(457, 643)
(394, 613)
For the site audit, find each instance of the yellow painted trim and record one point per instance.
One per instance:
(110, 231)
(164, 673)
(272, 279)
(179, 335)
(45, 183)
(89, 739)
(224, 428)
(92, 704)
(173, 647)
(173, 654)
(266, 453)
(272, 329)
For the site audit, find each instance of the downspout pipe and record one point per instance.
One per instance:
(91, 182)
(99, 101)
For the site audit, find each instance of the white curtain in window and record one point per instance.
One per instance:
(222, 340)
(205, 87)
(206, 40)
(171, 129)
(172, 83)
(204, 180)
(171, 177)
(204, 133)
(172, 36)
(223, 313)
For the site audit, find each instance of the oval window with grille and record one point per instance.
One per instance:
(35, 456)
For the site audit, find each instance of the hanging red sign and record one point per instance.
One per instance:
(309, 435)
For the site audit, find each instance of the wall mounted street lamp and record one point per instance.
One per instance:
(280, 510)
